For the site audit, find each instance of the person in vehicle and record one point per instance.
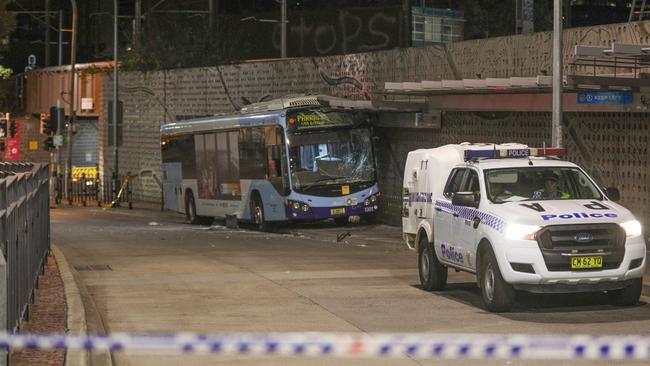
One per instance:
(551, 190)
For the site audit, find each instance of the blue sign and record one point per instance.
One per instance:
(606, 97)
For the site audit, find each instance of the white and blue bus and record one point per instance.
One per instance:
(291, 159)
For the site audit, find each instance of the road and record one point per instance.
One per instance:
(154, 273)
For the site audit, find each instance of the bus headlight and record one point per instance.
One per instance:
(297, 205)
(366, 202)
(632, 228)
(521, 232)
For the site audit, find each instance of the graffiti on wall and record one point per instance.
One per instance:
(333, 32)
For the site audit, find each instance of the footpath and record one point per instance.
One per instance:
(58, 305)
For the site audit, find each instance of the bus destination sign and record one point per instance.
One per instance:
(318, 119)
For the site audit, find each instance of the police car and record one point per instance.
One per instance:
(521, 219)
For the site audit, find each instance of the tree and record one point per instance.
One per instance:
(7, 25)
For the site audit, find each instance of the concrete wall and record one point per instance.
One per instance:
(151, 99)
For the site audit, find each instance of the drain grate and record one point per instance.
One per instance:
(93, 267)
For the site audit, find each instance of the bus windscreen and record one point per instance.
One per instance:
(329, 157)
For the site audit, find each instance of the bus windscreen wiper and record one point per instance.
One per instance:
(323, 179)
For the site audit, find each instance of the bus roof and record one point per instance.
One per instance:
(221, 122)
(256, 114)
(273, 111)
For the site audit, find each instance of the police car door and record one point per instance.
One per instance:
(466, 233)
(446, 214)
(419, 191)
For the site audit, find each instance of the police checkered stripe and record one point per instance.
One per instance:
(378, 345)
(470, 213)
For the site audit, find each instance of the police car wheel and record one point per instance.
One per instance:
(498, 295)
(627, 296)
(433, 275)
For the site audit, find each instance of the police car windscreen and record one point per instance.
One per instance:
(539, 183)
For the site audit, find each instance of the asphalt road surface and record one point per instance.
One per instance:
(147, 271)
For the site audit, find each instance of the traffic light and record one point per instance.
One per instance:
(48, 143)
(46, 125)
(13, 125)
(3, 124)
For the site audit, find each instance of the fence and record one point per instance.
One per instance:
(84, 190)
(24, 237)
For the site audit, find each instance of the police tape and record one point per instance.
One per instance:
(359, 345)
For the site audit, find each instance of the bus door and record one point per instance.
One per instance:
(172, 186)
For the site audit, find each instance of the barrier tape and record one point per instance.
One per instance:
(343, 345)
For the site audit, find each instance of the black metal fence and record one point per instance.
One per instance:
(91, 190)
(24, 236)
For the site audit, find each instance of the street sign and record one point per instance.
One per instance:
(606, 97)
(11, 153)
(86, 104)
(58, 140)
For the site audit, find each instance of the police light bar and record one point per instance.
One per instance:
(514, 153)
(549, 151)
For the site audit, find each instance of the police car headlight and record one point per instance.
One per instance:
(632, 228)
(521, 232)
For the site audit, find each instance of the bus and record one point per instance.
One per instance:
(285, 160)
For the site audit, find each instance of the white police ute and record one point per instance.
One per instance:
(521, 219)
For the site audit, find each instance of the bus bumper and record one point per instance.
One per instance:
(319, 213)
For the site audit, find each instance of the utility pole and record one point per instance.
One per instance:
(283, 22)
(60, 38)
(137, 24)
(46, 62)
(211, 15)
(115, 86)
(73, 49)
(556, 129)
(59, 104)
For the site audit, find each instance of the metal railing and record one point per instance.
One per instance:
(24, 237)
(85, 190)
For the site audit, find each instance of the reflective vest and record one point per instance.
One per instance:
(541, 193)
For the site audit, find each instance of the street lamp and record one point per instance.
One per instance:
(283, 25)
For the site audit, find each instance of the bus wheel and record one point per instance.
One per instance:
(190, 209)
(258, 216)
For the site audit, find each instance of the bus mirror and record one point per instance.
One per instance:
(275, 152)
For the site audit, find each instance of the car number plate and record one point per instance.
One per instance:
(337, 211)
(587, 262)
